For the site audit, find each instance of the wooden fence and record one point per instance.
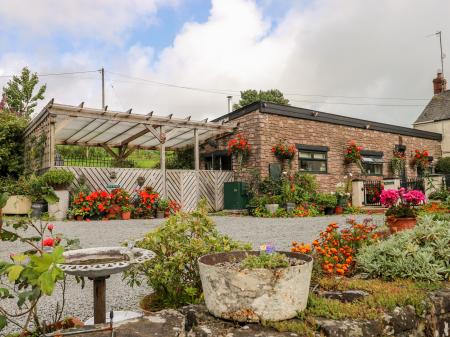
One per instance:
(184, 186)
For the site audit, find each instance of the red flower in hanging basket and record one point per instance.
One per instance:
(283, 151)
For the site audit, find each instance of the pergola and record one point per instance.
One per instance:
(79, 125)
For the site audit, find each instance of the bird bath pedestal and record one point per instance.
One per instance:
(97, 264)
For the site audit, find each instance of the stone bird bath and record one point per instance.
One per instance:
(97, 264)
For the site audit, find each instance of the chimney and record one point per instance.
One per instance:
(439, 83)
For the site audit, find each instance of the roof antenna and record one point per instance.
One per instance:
(442, 54)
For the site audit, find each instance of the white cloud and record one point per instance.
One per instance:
(93, 19)
(343, 48)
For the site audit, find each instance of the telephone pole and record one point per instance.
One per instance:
(102, 71)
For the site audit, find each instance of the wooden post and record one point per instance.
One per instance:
(52, 143)
(100, 300)
(196, 151)
(162, 161)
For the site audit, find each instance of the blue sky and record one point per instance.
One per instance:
(310, 49)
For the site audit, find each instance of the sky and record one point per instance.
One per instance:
(371, 59)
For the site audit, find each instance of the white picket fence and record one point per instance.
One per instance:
(185, 186)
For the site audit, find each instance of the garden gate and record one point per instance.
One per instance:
(413, 184)
(372, 192)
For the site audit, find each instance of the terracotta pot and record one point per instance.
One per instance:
(338, 210)
(79, 218)
(399, 224)
(126, 215)
(167, 213)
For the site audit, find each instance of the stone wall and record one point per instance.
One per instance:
(195, 321)
(265, 130)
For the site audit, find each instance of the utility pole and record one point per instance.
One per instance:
(442, 54)
(102, 71)
(229, 103)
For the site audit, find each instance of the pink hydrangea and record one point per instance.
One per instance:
(413, 197)
(389, 198)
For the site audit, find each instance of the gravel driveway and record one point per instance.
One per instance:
(280, 232)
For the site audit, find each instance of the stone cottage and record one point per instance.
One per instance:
(321, 140)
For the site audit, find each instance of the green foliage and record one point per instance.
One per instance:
(29, 276)
(326, 200)
(15, 187)
(162, 204)
(265, 261)
(182, 159)
(40, 191)
(401, 212)
(443, 165)
(439, 195)
(3, 199)
(421, 253)
(19, 93)
(250, 96)
(173, 274)
(58, 178)
(11, 144)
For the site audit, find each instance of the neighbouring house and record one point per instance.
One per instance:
(436, 115)
(321, 139)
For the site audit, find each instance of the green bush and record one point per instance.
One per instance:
(326, 200)
(14, 187)
(265, 261)
(11, 144)
(58, 178)
(173, 274)
(443, 165)
(439, 195)
(421, 253)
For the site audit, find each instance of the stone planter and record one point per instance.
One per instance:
(254, 295)
(160, 214)
(272, 208)
(290, 206)
(37, 208)
(400, 224)
(17, 205)
(59, 209)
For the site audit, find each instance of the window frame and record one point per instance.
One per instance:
(373, 154)
(325, 152)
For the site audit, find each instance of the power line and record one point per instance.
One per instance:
(359, 97)
(58, 74)
(347, 103)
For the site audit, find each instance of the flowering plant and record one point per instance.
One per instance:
(174, 207)
(353, 153)
(95, 204)
(284, 151)
(239, 146)
(120, 197)
(146, 203)
(401, 202)
(335, 250)
(397, 163)
(420, 158)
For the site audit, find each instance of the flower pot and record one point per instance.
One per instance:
(160, 214)
(17, 205)
(166, 213)
(79, 218)
(257, 294)
(272, 208)
(338, 210)
(328, 210)
(400, 224)
(126, 215)
(290, 206)
(37, 208)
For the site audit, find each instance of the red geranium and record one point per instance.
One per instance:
(48, 242)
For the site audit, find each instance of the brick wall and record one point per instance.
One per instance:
(264, 130)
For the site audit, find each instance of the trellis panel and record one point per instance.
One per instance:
(184, 186)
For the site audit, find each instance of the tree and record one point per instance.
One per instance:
(11, 144)
(249, 96)
(19, 95)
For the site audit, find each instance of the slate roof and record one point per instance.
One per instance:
(324, 117)
(437, 109)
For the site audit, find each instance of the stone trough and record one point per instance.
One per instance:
(257, 294)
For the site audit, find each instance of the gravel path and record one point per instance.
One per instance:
(280, 232)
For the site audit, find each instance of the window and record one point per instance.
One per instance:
(372, 162)
(312, 159)
(219, 160)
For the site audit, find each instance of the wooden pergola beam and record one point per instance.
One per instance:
(134, 137)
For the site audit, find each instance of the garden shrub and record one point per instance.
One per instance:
(58, 178)
(173, 274)
(443, 165)
(421, 253)
(265, 261)
(11, 144)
